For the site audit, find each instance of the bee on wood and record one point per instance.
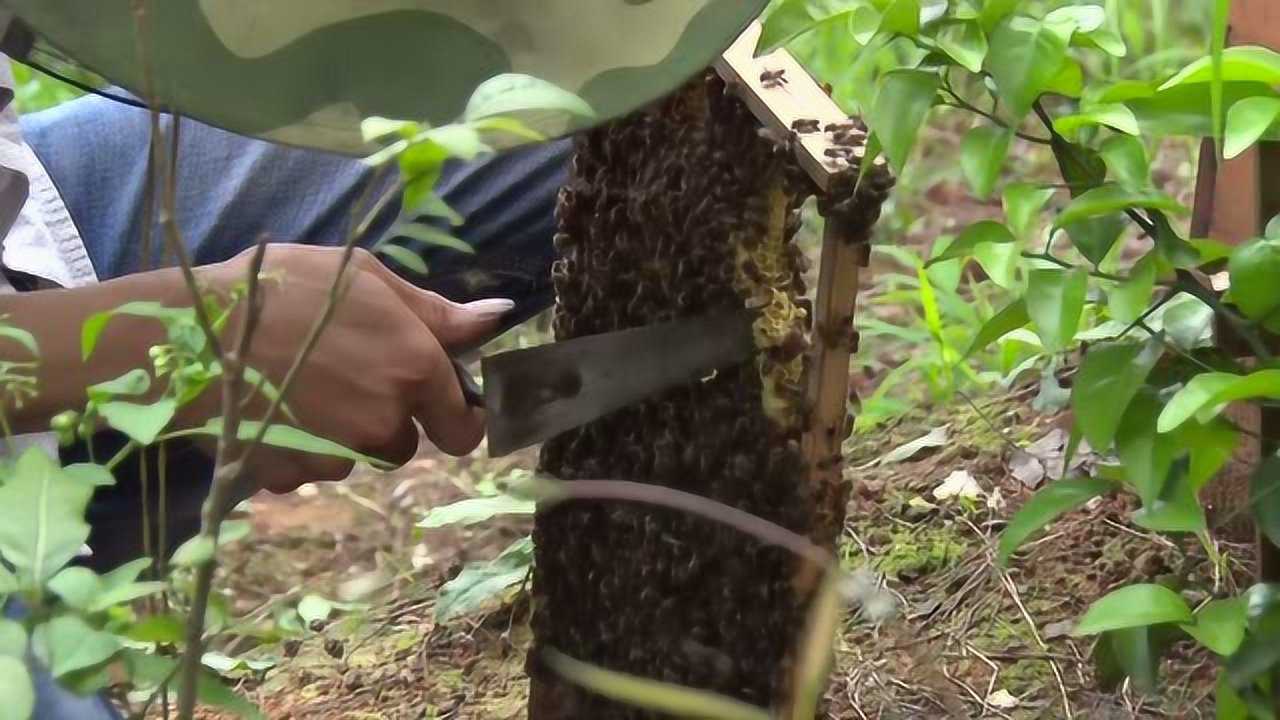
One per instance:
(806, 125)
(773, 78)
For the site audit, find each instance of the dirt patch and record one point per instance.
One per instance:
(968, 640)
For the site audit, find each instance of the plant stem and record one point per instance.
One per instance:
(1064, 264)
(962, 104)
(120, 456)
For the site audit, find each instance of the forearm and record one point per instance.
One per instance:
(55, 318)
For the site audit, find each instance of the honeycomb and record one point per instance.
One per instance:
(682, 209)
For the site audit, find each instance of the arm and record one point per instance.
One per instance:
(381, 364)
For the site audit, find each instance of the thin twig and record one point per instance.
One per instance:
(962, 104)
(229, 466)
(1047, 257)
(1012, 588)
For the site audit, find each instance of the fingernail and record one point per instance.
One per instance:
(493, 307)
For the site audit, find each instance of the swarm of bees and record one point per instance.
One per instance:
(681, 210)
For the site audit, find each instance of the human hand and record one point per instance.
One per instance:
(381, 363)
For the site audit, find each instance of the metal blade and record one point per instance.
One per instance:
(534, 394)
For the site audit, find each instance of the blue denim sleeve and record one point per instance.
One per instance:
(230, 191)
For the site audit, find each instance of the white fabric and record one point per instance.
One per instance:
(44, 241)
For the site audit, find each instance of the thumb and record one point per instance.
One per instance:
(458, 327)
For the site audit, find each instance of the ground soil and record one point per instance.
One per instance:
(967, 638)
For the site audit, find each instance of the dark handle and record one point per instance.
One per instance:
(471, 390)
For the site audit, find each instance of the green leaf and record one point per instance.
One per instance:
(1115, 116)
(1228, 703)
(1220, 625)
(902, 102)
(965, 42)
(478, 583)
(1244, 63)
(1177, 508)
(422, 161)
(1112, 198)
(430, 235)
(993, 11)
(1000, 261)
(1109, 378)
(142, 423)
(289, 438)
(1206, 394)
(1022, 202)
(459, 141)
(1057, 498)
(1012, 317)
(1105, 39)
(789, 20)
(67, 644)
(407, 258)
(194, 552)
(211, 691)
(1254, 268)
(91, 330)
(1134, 606)
(1247, 122)
(42, 523)
(505, 128)
(1078, 18)
(1210, 447)
(1257, 655)
(1187, 321)
(476, 510)
(123, 594)
(376, 128)
(1130, 299)
(901, 17)
(20, 336)
(13, 639)
(651, 695)
(1147, 456)
(985, 231)
(1126, 160)
(17, 689)
(85, 591)
(864, 23)
(1132, 653)
(982, 155)
(90, 474)
(1055, 300)
(515, 94)
(200, 549)
(1024, 58)
(1069, 80)
(435, 206)
(164, 629)
(131, 384)
(76, 586)
(313, 608)
(1264, 494)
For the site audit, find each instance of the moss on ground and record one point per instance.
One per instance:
(919, 551)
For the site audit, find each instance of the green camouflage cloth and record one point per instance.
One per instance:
(307, 72)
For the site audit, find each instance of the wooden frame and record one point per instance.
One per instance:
(781, 105)
(1233, 204)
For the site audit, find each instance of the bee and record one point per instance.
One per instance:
(805, 125)
(773, 78)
